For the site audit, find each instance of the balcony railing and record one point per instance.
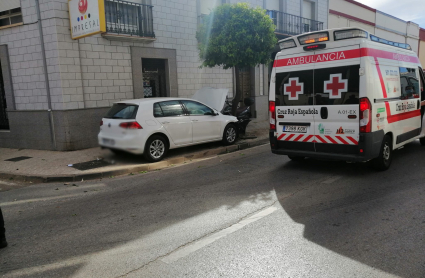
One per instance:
(129, 18)
(290, 24)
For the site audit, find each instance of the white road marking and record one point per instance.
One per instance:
(331, 180)
(186, 250)
(7, 183)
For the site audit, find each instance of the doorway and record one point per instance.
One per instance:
(4, 121)
(154, 77)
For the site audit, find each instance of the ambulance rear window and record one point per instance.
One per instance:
(337, 86)
(294, 88)
(326, 86)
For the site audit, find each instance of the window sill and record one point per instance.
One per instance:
(12, 25)
(118, 37)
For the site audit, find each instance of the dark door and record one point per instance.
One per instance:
(4, 121)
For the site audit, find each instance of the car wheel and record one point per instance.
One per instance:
(230, 134)
(422, 140)
(383, 161)
(296, 158)
(156, 148)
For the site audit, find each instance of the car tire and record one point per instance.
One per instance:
(156, 148)
(383, 161)
(422, 140)
(230, 134)
(296, 158)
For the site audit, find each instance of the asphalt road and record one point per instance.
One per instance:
(244, 214)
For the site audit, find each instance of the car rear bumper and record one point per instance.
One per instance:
(369, 143)
(128, 143)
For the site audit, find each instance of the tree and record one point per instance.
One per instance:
(236, 36)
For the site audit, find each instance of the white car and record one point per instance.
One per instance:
(152, 126)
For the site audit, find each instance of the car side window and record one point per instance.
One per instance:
(157, 111)
(170, 108)
(195, 108)
(409, 83)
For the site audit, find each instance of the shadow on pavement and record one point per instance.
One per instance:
(362, 214)
(359, 213)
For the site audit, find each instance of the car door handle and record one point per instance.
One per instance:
(194, 120)
(324, 112)
(165, 122)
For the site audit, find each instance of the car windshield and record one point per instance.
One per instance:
(122, 111)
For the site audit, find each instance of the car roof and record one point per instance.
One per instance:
(151, 100)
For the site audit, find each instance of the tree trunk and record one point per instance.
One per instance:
(238, 92)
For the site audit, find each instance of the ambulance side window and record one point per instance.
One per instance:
(409, 83)
(294, 88)
(337, 86)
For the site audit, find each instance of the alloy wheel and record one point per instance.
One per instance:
(386, 152)
(231, 134)
(157, 149)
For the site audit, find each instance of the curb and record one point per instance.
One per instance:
(133, 169)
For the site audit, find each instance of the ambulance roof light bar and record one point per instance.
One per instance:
(349, 34)
(313, 38)
(287, 44)
(396, 44)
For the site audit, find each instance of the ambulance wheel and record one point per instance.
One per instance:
(383, 161)
(422, 140)
(296, 158)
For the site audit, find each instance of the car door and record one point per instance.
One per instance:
(336, 92)
(336, 98)
(173, 118)
(205, 124)
(295, 112)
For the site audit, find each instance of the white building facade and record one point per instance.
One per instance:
(55, 90)
(349, 13)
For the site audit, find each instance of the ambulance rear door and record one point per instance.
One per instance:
(336, 98)
(294, 103)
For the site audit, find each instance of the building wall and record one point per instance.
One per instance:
(349, 13)
(422, 46)
(86, 76)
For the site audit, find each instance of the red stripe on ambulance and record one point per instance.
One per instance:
(352, 140)
(326, 139)
(342, 140)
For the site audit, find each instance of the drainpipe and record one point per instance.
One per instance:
(46, 77)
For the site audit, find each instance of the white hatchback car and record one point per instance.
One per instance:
(152, 126)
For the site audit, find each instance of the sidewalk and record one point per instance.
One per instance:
(52, 166)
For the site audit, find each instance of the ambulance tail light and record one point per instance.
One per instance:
(272, 115)
(365, 115)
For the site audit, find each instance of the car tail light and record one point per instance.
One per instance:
(365, 115)
(131, 125)
(272, 115)
(101, 123)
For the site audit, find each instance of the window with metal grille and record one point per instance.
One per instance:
(129, 18)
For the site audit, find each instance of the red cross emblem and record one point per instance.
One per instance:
(293, 89)
(335, 86)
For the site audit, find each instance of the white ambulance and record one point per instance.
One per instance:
(345, 94)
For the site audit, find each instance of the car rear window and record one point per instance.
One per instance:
(122, 111)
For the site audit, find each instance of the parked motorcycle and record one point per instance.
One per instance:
(243, 113)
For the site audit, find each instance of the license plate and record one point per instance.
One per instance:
(294, 128)
(107, 141)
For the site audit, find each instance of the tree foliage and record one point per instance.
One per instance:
(236, 36)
